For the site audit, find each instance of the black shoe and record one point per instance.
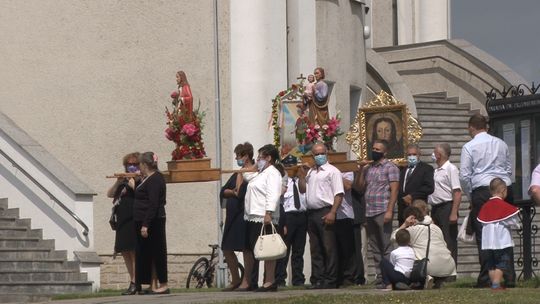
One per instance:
(132, 289)
(144, 291)
(249, 288)
(231, 287)
(272, 287)
(317, 285)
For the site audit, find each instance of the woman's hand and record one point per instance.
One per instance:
(268, 218)
(131, 183)
(410, 221)
(144, 232)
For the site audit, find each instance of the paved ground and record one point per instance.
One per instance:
(212, 297)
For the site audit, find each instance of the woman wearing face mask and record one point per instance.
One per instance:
(149, 216)
(261, 207)
(234, 232)
(123, 193)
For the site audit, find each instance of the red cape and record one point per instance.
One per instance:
(495, 209)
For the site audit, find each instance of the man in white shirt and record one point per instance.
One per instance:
(295, 222)
(324, 195)
(446, 198)
(484, 158)
(348, 272)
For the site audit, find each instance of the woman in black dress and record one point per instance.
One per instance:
(235, 229)
(149, 216)
(123, 192)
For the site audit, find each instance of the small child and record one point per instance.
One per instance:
(396, 272)
(497, 217)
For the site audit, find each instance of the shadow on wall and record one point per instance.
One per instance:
(43, 206)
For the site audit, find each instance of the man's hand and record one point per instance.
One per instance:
(453, 218)
(284, 230)
(407, 199)
(388, 216)
(329, 218)
(267, 218)
(144, 232)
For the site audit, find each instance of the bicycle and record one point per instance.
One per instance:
(202, 271)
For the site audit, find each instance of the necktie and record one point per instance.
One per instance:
(296, 195)
(407, 175)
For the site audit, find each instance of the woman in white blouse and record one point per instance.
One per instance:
(261, 207)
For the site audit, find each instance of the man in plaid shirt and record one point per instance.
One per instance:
(380, 181)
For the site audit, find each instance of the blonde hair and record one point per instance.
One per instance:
(422, 205)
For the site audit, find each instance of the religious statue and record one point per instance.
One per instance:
(318, 106)
(185, 97)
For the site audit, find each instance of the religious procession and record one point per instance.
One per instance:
(278, 151)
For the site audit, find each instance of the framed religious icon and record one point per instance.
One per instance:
(384, 118)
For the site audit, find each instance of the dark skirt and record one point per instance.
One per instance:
(234, 231)
(151, 250)
(126, 239)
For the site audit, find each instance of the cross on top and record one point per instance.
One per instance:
(301, 78)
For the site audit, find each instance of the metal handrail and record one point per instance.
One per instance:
(51, 196)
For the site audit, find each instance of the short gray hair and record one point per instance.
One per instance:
(445, 149)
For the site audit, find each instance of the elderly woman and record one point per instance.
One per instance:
(149, 216)
(441, 264)
(261, 207)
(123, 193)
(234, 232)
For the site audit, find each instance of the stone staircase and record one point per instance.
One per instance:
(30, 268)
(444, 120)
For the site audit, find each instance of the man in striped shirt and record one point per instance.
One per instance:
(381, 182)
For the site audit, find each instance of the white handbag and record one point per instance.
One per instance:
(269, 246)
(462, 234)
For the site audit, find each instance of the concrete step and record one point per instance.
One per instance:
(445, 131)
(25, 242)
(31, 253)
(11, 221)
(19, 231)
(39, 265)
(41, 276)
(445, 138)
(23, 298)
(433, 95)
(444, 124)
(13, 212)
(446, 112)
(440, 105)
(443, 118)
(46, 287)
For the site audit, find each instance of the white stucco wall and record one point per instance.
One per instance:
(89, 80)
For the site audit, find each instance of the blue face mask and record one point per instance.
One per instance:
(132, 169)
(240, 162)
(412, 160)
(320, 159)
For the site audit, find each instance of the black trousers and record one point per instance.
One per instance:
(151, 251)
(358, 257)
(347, 268)
(323, 248)
(296, 242)
(479, 197)
(440, 214)
(390, 275)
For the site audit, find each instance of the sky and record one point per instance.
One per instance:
(509, 30)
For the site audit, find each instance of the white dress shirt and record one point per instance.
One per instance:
(403, 259)
(484, 158)
(288, 197)
(322, 186)
(345, 211)
(446, 179)
(263, 194)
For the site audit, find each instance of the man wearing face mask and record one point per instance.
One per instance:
(324, 195)
(415, 181)
(380, 182)
(446, 198)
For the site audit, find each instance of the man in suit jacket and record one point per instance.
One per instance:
(415, 181)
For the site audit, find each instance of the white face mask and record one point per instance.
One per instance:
(433, 158)
(261, 164)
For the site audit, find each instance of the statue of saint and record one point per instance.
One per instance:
(184, 92)
(318, 106)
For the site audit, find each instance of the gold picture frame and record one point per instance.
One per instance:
(386, 118)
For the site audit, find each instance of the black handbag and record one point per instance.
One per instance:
(113, 220)
(419, 269)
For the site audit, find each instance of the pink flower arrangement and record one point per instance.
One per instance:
(309, 133)
(184, 128)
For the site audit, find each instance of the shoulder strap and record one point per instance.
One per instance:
(429, 240)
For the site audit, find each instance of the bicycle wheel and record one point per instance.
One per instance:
(197, 274)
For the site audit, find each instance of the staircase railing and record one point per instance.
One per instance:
(51, 196)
